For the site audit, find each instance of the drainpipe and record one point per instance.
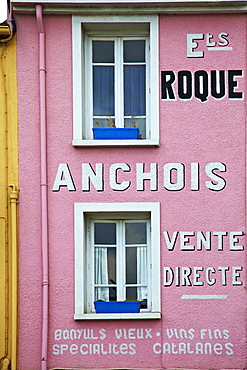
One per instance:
(14, 272)
(43, 185)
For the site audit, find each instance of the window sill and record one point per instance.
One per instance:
(118, 316)
(128, 143)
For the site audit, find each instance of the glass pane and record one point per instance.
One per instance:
(134, 51)
(131, 294)
(103, 91)
(105, 265)
(111, 257)
(139, 123)
(136, 233)
(104, 122)
(103, 51)
(112, 294)
(131, 263)
(104, 233)
(105, 273)
(134, 90)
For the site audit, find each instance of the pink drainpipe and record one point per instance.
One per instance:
(43, 184)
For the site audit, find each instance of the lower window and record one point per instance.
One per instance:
(117, 257)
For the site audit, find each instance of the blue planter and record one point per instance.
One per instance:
(117, 307)
(119, 133)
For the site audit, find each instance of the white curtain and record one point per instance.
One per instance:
(142, 273)
(101, 274)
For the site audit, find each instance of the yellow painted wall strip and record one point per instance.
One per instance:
(8, 205)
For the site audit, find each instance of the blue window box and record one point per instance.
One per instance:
(117, 307)
(119, 133)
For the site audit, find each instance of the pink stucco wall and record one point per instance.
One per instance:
(190, 132)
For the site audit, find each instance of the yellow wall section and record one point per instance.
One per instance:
(8, 175)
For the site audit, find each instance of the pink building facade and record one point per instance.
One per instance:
(159, 219)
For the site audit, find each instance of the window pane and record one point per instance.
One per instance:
(134, 90)
(103, 51)
(136, 233)
(111, 295)
(111, 258)
(131, 263)
(105, 265)
(104, 233)
(103, 91)
(139, 123)
(104, 122)
(105, 273)
(131, 294)
(134, 51)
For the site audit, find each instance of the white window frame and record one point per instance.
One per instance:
(118, 77)
(81, 212)
(81, 105)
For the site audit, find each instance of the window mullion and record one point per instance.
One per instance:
(89, 86)
(149, 265)
(90, 266)
(148, 90)
(120, 262)
(119, 83)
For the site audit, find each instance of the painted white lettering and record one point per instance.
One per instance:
(142, 176)
(148, 333)
(226, 334)
(169, 170)
(218, 349)
(185, 276)
(157, 348)
(182, 348)
(208, 272)
(63, 348)
(170, 243)
(114, 184)
(195, 176)
(174, 351)
(205, 240)
(102, 334)
(89, 176)
(63, 178)
(192, 45)
(220, 235)
(234, 240)
(184, 239)
(79, 331)
(58, 334)
(168, 276)
(229, 347)
(223, 270)
(217, 183)
(74, 349)
(196, 276)
(56, 349)
(188, 276)
(208, 42)
(236, 275)
(222, 39)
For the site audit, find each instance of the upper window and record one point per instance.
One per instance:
(115, 66)
(117, 257)
(119, 83)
